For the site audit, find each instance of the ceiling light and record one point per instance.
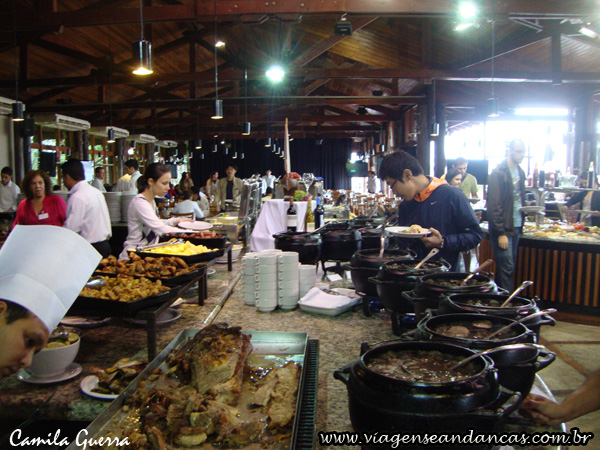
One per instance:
(275, 73)
(267, 142)
(435, 129)
(142, 51)
(17, 112)
(586, 31)
(234, 155)
(219, 43)
(218, 110)
(467, 10)
(110, 136)
(199, 144)
(246, 127)
(242, 155)
(343, 27)
(223, 141)
(493, 108)
(215, 148)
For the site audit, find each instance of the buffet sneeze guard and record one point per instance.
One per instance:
(291, 345)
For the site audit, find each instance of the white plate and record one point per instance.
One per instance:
(84, 322)
(224, 261)
(329, 311)
(401, 232)
(170, 315)
(91, 382)
(196, 226)
(71, 371)
(210, 272)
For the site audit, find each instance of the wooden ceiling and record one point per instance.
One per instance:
(74, 57)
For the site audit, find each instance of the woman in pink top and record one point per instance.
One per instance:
(41, 207)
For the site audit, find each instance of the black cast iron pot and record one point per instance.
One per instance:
(400, 271)
(426, 330)
(307, 245)
(520, 376)
(339, 245)
(371, 238)
(390, 293)
(378, 402)
(365, 264)
(364, 221)
(518, 308)
(432, 285)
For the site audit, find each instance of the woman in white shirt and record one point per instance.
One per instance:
(143, 224)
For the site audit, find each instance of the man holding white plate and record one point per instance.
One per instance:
(433, 204)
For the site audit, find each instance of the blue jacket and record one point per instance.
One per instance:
(448, 211)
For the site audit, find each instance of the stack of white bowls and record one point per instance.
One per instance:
(113, 202)
(126, 198)
(260, 280)
(308, 278)
(288, 280)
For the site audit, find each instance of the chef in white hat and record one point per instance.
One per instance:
(42, 271)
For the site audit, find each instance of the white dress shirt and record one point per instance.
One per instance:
(269, 181)
(123, 183)
(133, 181)
(97, 183)
(141, 220)
(87, 213)
(8, 195)
(189, 206)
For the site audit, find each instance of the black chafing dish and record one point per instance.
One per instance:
(189, 259)
(289, 345)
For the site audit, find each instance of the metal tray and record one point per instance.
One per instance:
(217, 243)
(115, 308)
(263, 343)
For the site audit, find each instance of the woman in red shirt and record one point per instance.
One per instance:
(41, 207)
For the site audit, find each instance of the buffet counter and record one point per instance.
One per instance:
(564, 267)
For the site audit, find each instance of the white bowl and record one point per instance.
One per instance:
(235, 252)
(50, 362)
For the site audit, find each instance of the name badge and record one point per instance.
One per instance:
(43, 216)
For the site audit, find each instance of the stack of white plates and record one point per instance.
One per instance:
(287, 280)
(308, 278)
(113, 202)
(126, 198)
(260, 280)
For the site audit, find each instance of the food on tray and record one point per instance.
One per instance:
(416, 229)
(420, 365)
(115, 379)
(159, 267)
(204, 234)
(212, 396)
(125, 289)
(185, 248)
(477, 329)
(61, 338)
(455, 282)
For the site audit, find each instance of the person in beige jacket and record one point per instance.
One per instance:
(229, 188)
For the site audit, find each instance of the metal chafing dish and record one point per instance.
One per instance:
(293, 346)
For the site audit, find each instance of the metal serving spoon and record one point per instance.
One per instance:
(432, 253)
(497, 349)
(480, 268)
(524, 284)
(96, 283)
(524, 319)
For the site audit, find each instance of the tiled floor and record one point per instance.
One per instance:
(578, 352)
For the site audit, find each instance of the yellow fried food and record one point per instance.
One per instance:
(125, 289)
(186, 249)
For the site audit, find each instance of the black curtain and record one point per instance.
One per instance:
(327, 160)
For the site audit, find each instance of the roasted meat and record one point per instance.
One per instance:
(278, 394)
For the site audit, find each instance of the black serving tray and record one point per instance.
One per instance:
(114, 308)
(172, 281)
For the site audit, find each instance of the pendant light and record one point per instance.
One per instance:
(492, 102)
(435, 126)
(246, 126)
(218, 106)
(110, 136)
(198, 144)
(268, 142)
(142, 51)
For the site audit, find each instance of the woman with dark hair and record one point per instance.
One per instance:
(41, 207)
(454, 177)
(143, 223)
(186, 183)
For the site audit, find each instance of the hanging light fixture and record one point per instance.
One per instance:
(198, 144)
(268, 142)
(234, 155)
(218, 106)
(142, 51)
(110, 136)
(17, 107)
(246, 126)
(17, 111)
(492, 102)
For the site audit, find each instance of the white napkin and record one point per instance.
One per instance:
(319, 299)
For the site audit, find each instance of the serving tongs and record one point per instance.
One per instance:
(497, 349)
(161, 244)
(474, 272)
(524, 319)
(524, 284)
(387, 221)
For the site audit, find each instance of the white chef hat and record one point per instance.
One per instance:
(43, 268)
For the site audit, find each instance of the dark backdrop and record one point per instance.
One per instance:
(327, 160)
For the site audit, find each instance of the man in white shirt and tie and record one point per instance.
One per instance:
(9, 191)
(87, 213)
(98, 182)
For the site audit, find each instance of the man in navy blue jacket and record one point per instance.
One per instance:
(433, 204)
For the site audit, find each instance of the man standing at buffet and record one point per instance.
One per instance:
(87, 213)
(506, 194)
(9, 191)
(229, 188)
(468, 182)
(268, 182)
(371, 183)
(98, 182)
(432, 204)
(132, 166)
